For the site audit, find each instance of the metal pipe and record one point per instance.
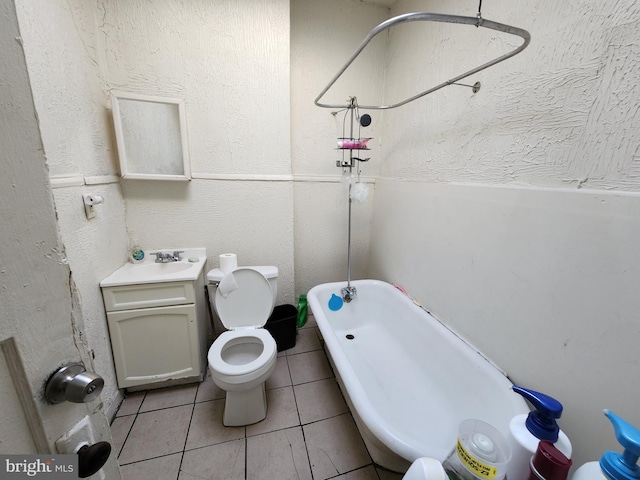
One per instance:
(354, 105)
(349, 292)
(477, 21)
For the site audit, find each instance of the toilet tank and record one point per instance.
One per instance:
(269, 272)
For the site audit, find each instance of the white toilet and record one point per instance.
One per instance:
(242, 358)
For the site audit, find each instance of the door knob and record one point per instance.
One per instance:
(92, 458)
(74, 384)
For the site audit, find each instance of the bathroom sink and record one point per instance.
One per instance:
(151, 269)
(187, 269)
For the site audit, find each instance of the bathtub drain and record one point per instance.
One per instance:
(350, 337)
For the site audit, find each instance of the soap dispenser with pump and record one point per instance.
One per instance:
(613, 465)
(527, 430)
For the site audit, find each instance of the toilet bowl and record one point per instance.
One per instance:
(242, 358)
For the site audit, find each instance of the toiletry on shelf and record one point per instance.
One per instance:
(353, 144)
(527, 430)
(613, 465)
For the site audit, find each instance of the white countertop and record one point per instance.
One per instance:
(148, 271)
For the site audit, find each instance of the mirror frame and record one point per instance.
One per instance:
(125, 162)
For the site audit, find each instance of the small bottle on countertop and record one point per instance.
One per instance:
(613, 465)
(527, 430)
(137, 255)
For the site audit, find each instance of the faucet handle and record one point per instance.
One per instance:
(176, 254)
(159, 256)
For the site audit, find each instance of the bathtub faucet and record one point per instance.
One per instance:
(348, 293)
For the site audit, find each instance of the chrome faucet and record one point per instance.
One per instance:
(168, 257)
(348, 293)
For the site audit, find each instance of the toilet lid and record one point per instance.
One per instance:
(248, 305)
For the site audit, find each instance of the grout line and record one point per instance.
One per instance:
(246, 453)
(184, 447)
(147, 459)
(135, 417)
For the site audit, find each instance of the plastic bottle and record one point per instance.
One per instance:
(613, 465)
(137, 255)
(481, 453)
(425, 468)
(302, 310)
(549, 463)
(526, 431)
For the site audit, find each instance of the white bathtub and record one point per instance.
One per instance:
(408, 380)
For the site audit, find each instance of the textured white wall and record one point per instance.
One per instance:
(537, 263)
(61, 48)
(250, 218)
(230, 62)
(323, 37)
(39, 307)
(556, 115)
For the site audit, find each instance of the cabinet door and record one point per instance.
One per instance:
(155, 344)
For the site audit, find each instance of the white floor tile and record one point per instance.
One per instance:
(335, 447)
(208, 390)
(120, 428)
(280, 376)
(157, 433)
(308, 367)
(281, 412)
(131, 404)
(224, 461)
(163, 468)
(278, 455)
(169, 397)
(207, 428)
(319, 400)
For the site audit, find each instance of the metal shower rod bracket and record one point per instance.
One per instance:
(476, 21)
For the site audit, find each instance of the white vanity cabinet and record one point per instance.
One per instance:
(159, 332)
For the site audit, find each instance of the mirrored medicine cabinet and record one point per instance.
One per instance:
(151, 136)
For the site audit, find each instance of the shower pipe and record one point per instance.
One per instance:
(476, 21)
(349, 292)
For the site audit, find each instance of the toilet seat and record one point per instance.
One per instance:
(247, 371)
(249, 304)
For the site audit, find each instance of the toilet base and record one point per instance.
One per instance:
(245, 407)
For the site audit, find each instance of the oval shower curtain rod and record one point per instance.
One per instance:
(477, 21)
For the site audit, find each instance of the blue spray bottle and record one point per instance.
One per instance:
(613, 465)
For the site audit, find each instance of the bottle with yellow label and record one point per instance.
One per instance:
(481, 453)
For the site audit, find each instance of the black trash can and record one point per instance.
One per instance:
(282, 325)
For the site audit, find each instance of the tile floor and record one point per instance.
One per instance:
(177, 433)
